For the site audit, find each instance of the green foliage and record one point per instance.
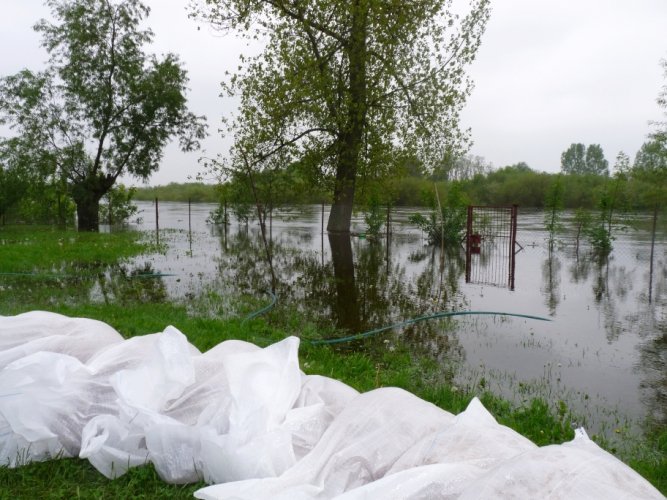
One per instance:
(446, 226)
(595, 161)
(118, 207)
(348, 89)
(374, 216)
(103, 107)
(45, 249)
(659, 134)
(196, 192)
(650, 459)
(516, 184)
(582, 222)
(459, 168)
(220, 215)
(573, 160)
(579, 159)
(553, 207)
(242, 212)
(44, 204)
(13, 179)
(609, 201)
(600, 238)
(650, 172)
(76, 478)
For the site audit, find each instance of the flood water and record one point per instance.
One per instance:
(603, 352)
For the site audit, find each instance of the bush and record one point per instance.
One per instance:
(448, 226)
(117, 206)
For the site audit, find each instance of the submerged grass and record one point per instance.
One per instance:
(365, 365)
(44, 250)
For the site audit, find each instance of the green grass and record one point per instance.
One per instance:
(48, 251)
(75, 478)
(134, 311)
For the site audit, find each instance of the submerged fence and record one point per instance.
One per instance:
(491, 245)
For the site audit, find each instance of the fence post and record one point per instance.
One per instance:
(157, 223)
(513, 222)
(190, 223)
(468, 242)
(650, 274)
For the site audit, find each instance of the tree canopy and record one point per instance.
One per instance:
(659, 135)
(650, 164)
(103, 106)
(348, 87)
(579, 159)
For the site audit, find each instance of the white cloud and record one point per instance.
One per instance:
(550, 73)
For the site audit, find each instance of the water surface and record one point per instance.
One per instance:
(604, 352)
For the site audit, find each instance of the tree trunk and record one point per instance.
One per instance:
(350, 139)
(87, 195)
(347, 305)
(340, 217)
(87, 213)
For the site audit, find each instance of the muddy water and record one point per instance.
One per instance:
(603, 352)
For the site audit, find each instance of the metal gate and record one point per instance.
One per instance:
(491, 245)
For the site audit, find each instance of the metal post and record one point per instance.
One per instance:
(388, 235)
(468, 242)
(225, 219)
(513, 222)
(650, 274)
(388, 220)
(157, 222)
(190, 223)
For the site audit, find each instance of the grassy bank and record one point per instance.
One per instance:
(196, 192)
(137, 306)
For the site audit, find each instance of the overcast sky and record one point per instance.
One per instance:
(548, 73)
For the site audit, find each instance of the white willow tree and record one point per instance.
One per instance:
(347, 86)
(103, 107)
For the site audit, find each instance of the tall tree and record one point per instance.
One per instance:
(103, 107)
(659, 135)
(651, 168)
(349, 86)
(579, 159)
(13, 177)
(595, 161)
(651, 158)
(573, 159)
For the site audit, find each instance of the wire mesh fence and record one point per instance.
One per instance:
(491, 245)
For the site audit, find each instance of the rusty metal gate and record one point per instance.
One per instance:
(491, 245)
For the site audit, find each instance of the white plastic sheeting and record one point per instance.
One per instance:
(248, 421)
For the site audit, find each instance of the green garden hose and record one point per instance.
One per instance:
(442, 314)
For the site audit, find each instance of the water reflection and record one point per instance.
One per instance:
(356, 288)
(83, 282)
(580, 268)
(551, 282)
(652, 361)
(601, 348)
(138, 284)
(347, 310)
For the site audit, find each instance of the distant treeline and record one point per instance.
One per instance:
(193, 191)
(506, 186)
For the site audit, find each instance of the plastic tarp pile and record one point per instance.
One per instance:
(247, 421)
